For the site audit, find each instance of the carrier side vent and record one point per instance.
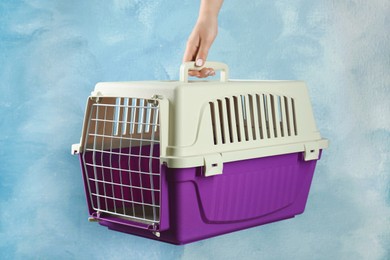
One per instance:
(252, 117)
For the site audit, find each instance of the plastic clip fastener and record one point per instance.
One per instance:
(213, 164)
(75, 149)
(312, 151)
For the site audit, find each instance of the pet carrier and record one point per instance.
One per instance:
(180, 161)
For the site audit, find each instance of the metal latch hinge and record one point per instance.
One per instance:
(96, 96)
(312, 151)
(213, 164)
(154, 99)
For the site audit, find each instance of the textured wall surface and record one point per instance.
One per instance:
(52, 52)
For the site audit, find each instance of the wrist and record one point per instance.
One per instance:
(204, 14)
(207, 18)
(209, 8)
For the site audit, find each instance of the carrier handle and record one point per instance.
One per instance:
(186, 66)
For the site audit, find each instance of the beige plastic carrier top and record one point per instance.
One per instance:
(208, 123)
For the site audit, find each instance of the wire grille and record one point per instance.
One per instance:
(252, 117)
(122, 158)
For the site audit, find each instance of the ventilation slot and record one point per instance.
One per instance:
(252, 117)
(238, 118)
(230, 119)
(290, 116)
(245, 109)
(212, 112)
(294, 120)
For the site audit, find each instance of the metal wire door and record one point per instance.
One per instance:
(122, 159)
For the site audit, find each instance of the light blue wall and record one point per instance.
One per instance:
(52, 52)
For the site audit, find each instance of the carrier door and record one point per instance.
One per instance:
(121, 149)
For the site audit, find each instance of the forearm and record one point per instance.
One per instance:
(209, 8)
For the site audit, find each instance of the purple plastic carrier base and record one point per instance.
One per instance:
(248, 193)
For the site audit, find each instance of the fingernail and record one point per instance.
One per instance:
(207, 73)
(199, 62)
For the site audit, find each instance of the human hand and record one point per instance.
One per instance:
(198, 45)
(202, 37)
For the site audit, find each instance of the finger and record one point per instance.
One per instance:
(205, 72)
(191, 50)
(194, 73)
(189, 55)
(202, 53)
